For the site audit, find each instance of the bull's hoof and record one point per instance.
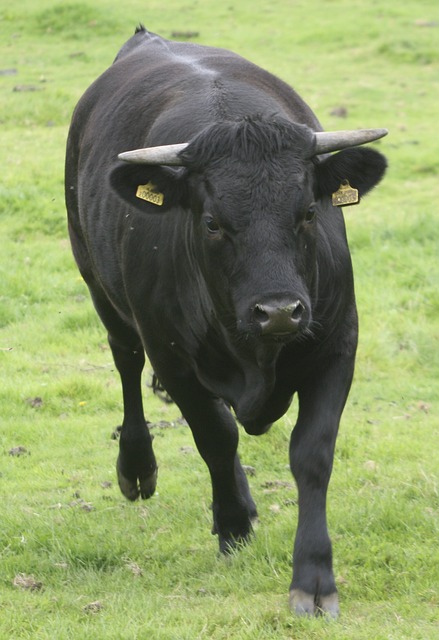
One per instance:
(235, 541)
(233, 537)
(306, 604)
(228, 546)
(134, 487)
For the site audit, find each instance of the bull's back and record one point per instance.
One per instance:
(164, 92)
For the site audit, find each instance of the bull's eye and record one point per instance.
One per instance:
(310, 214)
(213, 228)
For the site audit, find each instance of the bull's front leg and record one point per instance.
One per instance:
(321, 403)
(216, 436)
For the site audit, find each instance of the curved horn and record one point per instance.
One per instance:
(327, 141)
(167, 154)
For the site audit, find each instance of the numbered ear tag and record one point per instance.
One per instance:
(148, 192)
(345, 196)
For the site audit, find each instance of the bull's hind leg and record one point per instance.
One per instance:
(136, 464)
(321, 403)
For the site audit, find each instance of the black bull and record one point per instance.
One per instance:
(223, 258)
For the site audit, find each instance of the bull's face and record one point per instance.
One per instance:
(255, 229)
(257, 196)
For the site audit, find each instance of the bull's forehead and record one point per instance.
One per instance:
(280, 185)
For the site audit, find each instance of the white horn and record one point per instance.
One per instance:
(326, 141)
(167, 154)
(336, 140)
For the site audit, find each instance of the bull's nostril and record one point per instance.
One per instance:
(260, 314)
(298, 311)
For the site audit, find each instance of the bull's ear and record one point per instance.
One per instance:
(150, 189)
(362, 167)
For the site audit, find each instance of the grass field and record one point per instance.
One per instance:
(76, 559)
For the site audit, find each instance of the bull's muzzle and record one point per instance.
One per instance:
(279, 320)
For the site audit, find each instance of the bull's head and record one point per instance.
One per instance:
(259, 190)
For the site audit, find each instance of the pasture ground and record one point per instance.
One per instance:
(78, 561)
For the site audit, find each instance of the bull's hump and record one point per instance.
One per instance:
(196, 64)
(202, 60)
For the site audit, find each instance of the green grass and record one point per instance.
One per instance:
(153, 567)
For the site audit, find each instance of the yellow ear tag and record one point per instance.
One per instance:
(345, 196)
(148, 192)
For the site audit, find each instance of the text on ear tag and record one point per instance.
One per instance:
(148, 192)
(345, 196)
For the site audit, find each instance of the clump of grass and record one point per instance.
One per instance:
(76, 21)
